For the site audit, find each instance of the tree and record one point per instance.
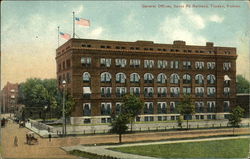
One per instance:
(37, 93)
(235, 117)
(186, 108)
(131, 107)
(119, 125)
(243, 85)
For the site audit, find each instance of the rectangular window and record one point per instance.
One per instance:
(68, 77)
(226, 91)
(199, 107)
(162, 64)
(211, 106)
(105, 62)
(121, 91)
(120, 62)
(199, 91)
(148, 63)
(211, 91)
(148, 91)
(118, 107)
(173, 107)
(187, 65)
(148, 108)
(226, 66)
(86, 61)
(199, 65)
(162, 107)
(174, 64)
(135, 63)
(174, 91)
(106, 91)
(135, 91)
(187, 90)
(106, 108)
(162, 91)
(210, 65)
(86, 92)
(86, 109)
(68, 63)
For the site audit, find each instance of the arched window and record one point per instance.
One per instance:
(161, 78)
(120, 77)
(211, 79)
(86, 77)
(174, 78)
(105, 77)
(148, 78)
(199, 79)
(134, 78)
(187, 79)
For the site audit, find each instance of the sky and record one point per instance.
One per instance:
(29, 29)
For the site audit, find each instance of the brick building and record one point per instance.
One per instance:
(100, 72)
(9, 97)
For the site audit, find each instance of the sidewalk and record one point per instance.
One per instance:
(104, 150)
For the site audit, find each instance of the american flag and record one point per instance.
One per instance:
(82, 22)
(65, 35)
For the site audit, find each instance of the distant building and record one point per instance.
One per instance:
(9, 97)
(100, 72)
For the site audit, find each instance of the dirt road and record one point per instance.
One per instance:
(46, 149)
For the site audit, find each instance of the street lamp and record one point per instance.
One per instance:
(63, 112)
(45, 109)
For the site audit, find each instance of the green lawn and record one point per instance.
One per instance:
(235, 148)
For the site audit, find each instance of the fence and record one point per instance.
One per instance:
(150, 129)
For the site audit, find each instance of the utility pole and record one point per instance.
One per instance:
(73, 24)
(63, 111)
(0, 90)
(58, 36)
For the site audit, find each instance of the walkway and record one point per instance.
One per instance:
(104, 150)
(44, 149)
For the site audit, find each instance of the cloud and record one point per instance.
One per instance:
(96, 33)
(216, 18)
(177, 28)
(194, 18)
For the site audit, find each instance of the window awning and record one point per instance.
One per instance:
(226, 78)
(86, 90)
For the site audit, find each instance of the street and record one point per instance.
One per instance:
(46, 149)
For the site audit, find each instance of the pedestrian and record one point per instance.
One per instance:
(49, 137)
(27, 138)
(16, 141)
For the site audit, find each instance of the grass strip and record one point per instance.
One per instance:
(234, 148)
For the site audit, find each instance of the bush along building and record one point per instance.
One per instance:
(100, 72)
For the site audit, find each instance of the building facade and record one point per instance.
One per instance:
(99, 73)
(9, 97)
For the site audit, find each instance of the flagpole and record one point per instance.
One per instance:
(73, 24)
(58, 36)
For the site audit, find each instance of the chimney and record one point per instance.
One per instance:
(209, 44)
